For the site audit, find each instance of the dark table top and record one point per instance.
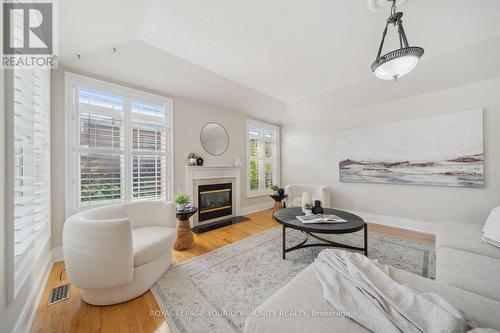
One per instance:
(287, 216)
(186, 213)
(278, 197)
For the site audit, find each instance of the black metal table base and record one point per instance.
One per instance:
(325, 242)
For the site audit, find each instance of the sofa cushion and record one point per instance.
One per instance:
(491, 228)
(299, 306)
(469, 271)
(482, 311)
(465, 237)
(302, 296)
(490, 241)
(151, 242)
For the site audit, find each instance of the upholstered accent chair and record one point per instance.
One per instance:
(115, 253)
(318, 192)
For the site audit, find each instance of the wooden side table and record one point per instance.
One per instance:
(278, 201)
(184, 233)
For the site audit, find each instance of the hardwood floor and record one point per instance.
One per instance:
(74, 315)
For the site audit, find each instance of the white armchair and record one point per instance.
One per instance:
(116, 253)
(318, 192)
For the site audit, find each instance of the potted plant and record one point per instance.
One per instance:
(278, 190)
(308, 208)
(192, 159)
(181, 199)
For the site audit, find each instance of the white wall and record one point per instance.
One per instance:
(189, 118)
(309, 153)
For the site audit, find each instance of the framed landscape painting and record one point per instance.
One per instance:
(443, 150)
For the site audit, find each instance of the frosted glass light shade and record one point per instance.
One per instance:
(396, 68)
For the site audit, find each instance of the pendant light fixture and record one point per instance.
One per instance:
(400, 62)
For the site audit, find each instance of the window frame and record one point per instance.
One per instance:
(260, 124)
(72, 133)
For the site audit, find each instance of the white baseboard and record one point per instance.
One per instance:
(256, 208)
(57, 254)
(397, 222)
(25, 319)
(391, 221)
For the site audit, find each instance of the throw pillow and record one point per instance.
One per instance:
(491, 228)
(490, 241)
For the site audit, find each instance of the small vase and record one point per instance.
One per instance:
(199, 161)
(237, 162)
(308, 212)
(281, 192)
(317, 209)
(192, 161)
(306, 198)
(180, 207)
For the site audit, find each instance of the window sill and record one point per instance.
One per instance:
(258, 194)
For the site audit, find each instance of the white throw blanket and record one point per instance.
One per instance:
(363, 288)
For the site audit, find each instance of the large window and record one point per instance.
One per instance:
(28, 171)
(120, 144)
(262, 158)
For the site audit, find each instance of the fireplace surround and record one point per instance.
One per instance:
(215, 191)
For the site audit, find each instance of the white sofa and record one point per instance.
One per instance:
(318, 192)
(304, 294)
(465, 261)
(467, 275)
(115, 253)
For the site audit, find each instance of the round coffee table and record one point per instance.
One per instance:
(287, 218)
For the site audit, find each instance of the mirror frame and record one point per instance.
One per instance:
(201, 139)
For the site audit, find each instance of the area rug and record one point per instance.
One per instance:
(215, 292)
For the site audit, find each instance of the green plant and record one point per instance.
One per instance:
(182, 198)
(192, 155)
(308, 206)
(275, 188)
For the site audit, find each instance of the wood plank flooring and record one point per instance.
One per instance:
(74, 315)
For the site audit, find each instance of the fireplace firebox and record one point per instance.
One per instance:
(214, 201)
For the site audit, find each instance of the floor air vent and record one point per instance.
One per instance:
(59, 294)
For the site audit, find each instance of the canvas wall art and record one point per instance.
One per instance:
(443, 150)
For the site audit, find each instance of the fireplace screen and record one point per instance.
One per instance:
(214, 200)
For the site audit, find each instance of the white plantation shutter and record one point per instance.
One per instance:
(122, 144)
(29, 166)
(149, 149)
(41, 127)
(262, 157)
(101, 148)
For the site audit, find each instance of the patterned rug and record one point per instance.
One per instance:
(215, 292)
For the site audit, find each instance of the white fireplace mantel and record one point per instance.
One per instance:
(210, 172)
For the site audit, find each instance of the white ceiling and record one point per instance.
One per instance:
(455, 68)
(288, 50)
(142, 65)
(297, 48)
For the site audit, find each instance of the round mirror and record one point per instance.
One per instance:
(214, 139)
